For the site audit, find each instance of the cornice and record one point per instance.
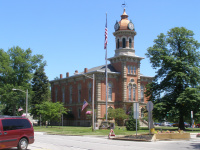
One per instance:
(124, 32)
(123, 58)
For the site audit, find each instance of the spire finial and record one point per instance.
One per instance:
(124, 15)
(124, 5)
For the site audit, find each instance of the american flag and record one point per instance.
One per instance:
(106, 34)
(20, 109)
(85, 103)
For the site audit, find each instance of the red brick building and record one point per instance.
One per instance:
(125, 82)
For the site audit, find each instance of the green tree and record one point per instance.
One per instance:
(118, 114)
(131, 123)
(110, 115)
(40, 89)
(176, 60)
(51, 111)
(16, 70)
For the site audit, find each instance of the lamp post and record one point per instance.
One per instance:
(93, 78)
(26, 99)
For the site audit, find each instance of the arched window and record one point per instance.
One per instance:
(129, 92)
(124, 43)
(118, 43)
(110, 91)
(134, 70)
(131, 69)
(63, 94)
(142, 93)
(90, 92)
(130, 42)
(79, 92)
(134, 88)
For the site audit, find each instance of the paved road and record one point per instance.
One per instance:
(56, 142)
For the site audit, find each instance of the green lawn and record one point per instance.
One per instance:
(69, 130)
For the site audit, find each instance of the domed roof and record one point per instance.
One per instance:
(124, 21)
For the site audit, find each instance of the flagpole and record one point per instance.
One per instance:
(93, 104)
(106, 77)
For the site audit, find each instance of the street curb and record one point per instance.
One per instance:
(40, 133)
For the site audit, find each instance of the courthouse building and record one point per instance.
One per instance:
(126, 84)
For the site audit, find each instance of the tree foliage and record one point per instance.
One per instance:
(40, 89)
(131, 123)
(176, 60)
(118, 114)
(16, 70)
(51, 111)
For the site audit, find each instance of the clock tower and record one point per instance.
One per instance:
(126, 62)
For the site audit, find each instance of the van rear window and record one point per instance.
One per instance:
(14, 124)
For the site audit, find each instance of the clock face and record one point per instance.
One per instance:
(116, 26)
(131, 26)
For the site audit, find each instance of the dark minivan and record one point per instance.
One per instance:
(15, 131)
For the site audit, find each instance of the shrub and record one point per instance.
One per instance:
(131, 125)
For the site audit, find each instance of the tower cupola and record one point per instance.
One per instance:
(124, 36)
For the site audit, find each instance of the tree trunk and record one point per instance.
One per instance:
(181, 121)
(14, 110)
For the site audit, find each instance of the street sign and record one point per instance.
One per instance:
(149, 106)
(136, 110)
(136, 114)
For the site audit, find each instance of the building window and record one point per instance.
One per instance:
(129, 92)
(70, 94)
(90, 92)
(131, 69)
(109, 91)
(118, 43)
(56, 95)
(130, 42)
(63, 95)
(134, 87)
(79, 92)
(142, 93)
(134, 70)
(79, 113)
(124, 43)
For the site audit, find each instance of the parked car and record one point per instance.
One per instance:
(177, 124)
(15, 131)
(157, 123)
(197, 125)
(166, 124)
(187, 124)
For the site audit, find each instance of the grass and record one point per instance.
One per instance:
(70, 130)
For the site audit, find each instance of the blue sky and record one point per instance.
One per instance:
(70, 33)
